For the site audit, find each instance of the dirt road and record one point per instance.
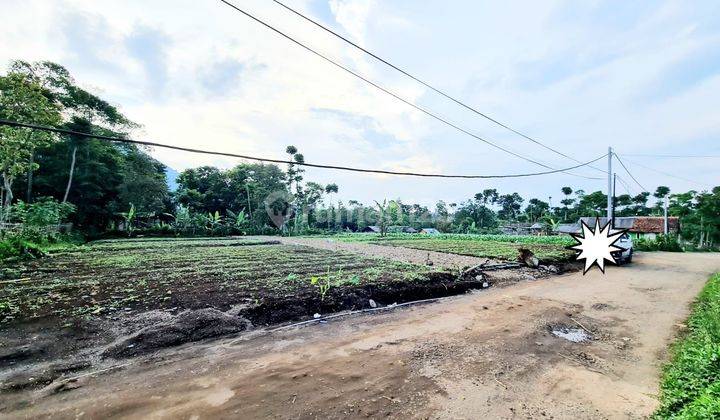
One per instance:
(484, 355)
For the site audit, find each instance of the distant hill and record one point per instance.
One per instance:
(171, 177)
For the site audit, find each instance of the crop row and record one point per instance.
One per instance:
(99, 281)
(519, 239)
(484, 249)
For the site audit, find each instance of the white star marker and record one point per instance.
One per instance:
(596, 245)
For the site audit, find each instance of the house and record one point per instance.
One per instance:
(515, 229)
(537, 228)
(370, 229)
(647, 227)
(429, 231)
(567, 228)
(401, 229)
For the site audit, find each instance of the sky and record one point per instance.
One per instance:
(641, 77)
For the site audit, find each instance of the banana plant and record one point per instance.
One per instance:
(214, 220)
(129, 218)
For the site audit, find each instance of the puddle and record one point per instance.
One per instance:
(576, 335)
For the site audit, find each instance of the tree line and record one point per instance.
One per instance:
(119, 189)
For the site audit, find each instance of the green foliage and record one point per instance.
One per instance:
(547, 248)
(23, 100)
(129, 218)
(322, 283)
(661, 242)
(690, 387)
(45, 211)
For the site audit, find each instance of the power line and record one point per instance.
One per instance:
(669, 175)
(426, 84)
(312, 165)
(385, 90)
(625, 185)
(628, 172)
(672, 156)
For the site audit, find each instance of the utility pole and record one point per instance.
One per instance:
(666, 227)
(614, 186)
(609, 186)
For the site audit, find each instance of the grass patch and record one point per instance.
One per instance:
(690, 387)
(546, 248)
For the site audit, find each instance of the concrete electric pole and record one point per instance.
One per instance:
(666, 227)
(609, 187)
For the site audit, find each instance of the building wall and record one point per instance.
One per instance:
(638, 235)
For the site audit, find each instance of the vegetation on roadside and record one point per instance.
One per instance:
(34, 229)
(690, 387)
(668, 243)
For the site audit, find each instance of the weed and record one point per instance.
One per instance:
(690, 387)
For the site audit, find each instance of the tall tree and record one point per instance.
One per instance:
(23, 100)
(510, 206)
(81, 107)
(567, 201)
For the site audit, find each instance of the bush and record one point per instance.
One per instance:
(16, 246)
(39, 228)
(668, 243)
(690, 387)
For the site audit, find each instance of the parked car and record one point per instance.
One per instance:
(625, 256)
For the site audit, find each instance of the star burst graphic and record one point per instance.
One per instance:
(595, 246)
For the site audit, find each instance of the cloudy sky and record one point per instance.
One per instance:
(642, 77)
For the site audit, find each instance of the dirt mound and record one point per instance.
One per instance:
(185, 327)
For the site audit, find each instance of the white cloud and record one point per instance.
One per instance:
(575, 76)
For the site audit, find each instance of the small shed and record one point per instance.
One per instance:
(402, 229)
(537, 228)
(370, 229)
(429, 231)
(567, 228)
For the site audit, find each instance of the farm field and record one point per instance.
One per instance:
(549, 249)
(137, 275)
(121, 298)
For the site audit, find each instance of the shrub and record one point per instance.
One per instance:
(668, 243)
(690, 387)
(15, 246)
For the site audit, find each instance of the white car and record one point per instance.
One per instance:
(625, 256)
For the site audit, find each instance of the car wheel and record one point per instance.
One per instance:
(629, 258)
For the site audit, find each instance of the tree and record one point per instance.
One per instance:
(567, 201)
(622, 205)
(382, 217)
(661, 192)
(640, 204)
(488, 196)
(83, 109)
(329, 189)
(593, 204)
(536, 209)
(144, 182)
(472, 213)
(22, 100)
(510, 206)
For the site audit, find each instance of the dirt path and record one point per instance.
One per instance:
(485, 355)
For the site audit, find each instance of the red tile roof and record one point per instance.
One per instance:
(643, 224)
